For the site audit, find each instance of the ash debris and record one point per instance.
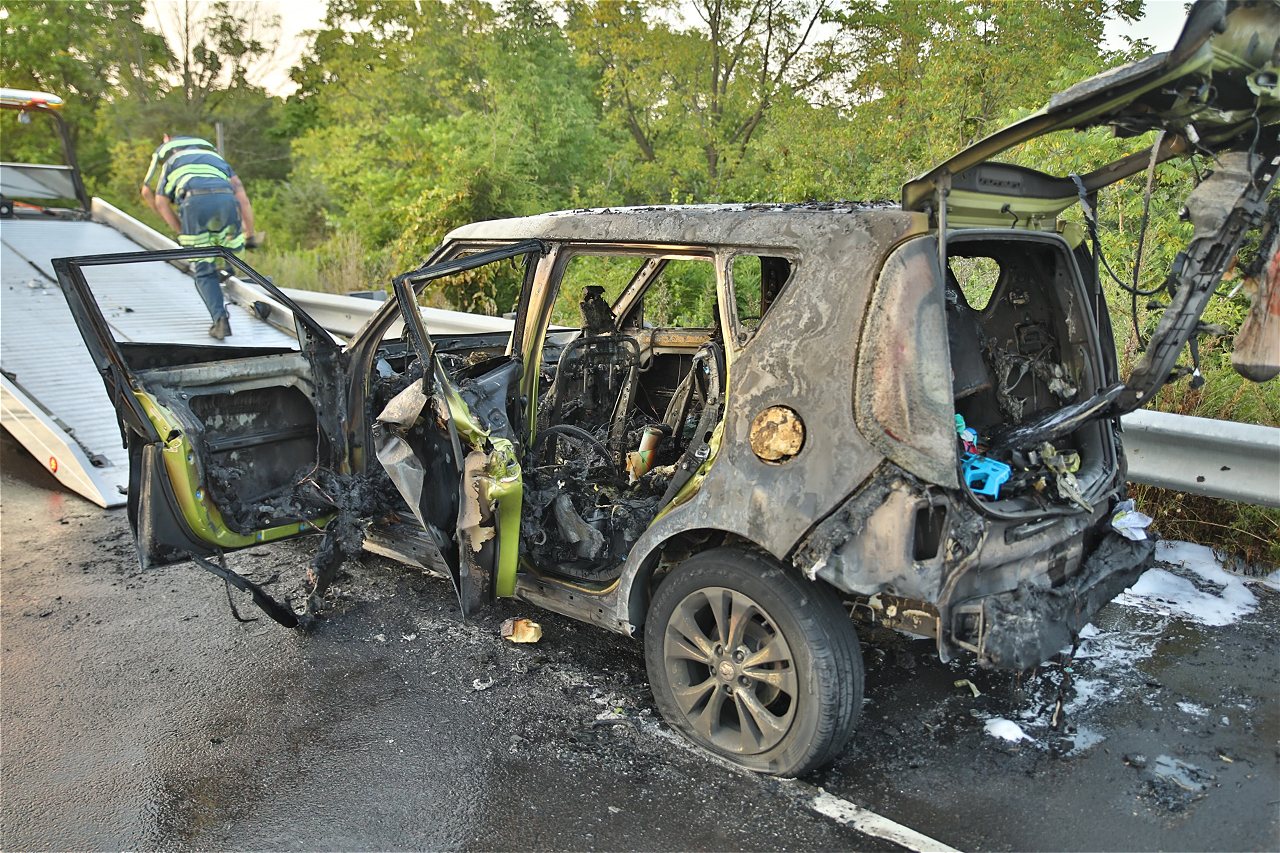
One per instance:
(354, 499)
(582, 516)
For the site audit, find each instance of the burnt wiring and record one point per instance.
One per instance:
(1197, 378)
(1136, 291)
(650, 410)
(576, 432)
(1011, 368)
(1257, 135)
(1195, 168)
(235, 611)
(281, 612)
(1091, 221)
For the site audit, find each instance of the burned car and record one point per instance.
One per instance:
(834, 427)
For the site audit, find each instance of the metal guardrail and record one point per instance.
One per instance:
(1220, 459)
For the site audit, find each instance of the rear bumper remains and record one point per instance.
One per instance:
(1013, 591)
(1021, 628)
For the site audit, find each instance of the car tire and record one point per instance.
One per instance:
(773, 682)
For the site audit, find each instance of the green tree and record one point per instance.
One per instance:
(216, 44)
(499, 122)
(374, 58)
(692, 95)
(89, 52)
(205, 85)
(934, 77)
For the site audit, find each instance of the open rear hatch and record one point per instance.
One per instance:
(1215, 93)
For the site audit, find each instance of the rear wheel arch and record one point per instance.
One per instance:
(656, 565)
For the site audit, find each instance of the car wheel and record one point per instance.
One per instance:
(754, 663)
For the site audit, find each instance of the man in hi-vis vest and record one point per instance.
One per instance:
(213, 210)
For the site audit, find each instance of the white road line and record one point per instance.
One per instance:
(828, 805)
(869, 823)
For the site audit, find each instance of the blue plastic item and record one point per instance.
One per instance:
(985, 476)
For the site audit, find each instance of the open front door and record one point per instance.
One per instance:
(448, 441)
(229, 441)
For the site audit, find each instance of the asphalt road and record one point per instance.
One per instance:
(136, 713)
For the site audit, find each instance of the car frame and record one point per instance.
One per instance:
(810, 462)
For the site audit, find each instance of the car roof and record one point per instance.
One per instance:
(701, 224)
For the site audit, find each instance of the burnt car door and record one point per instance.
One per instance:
(449, 437)
(230, 445)
(1216, 93)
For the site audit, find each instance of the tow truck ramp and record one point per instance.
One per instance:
(52, 399)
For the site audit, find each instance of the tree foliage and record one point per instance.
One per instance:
(692, 85)
(85, 51)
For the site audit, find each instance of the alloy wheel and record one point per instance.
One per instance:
(731, 671)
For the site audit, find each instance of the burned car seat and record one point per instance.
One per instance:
(595, 379)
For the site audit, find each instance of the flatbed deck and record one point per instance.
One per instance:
(51, 396)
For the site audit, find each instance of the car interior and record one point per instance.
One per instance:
(620, 404)
(1020, 333)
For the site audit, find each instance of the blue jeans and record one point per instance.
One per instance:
(211, 219)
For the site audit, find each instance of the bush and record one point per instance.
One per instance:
(340, 265)
(1248, 532)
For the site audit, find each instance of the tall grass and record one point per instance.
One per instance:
(341, 264)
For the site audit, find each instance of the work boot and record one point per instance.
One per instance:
(220, 328)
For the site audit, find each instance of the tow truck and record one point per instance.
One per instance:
(51, 397)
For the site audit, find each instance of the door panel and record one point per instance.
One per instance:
(236, 452)
(447, 441)
(222, 438)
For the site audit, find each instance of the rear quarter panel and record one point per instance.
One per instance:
(802, 356)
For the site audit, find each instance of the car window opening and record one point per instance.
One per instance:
(625, 412)
(975, 277)
(758, 281)
(1019, 337)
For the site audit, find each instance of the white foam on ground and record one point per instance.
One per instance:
(1092, 691)
(1104, 663)
(1272, 580)
(1005, 729)
(1194, 587)
(1102, 672)
(1190, 585)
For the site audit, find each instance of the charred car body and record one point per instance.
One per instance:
(731, 476)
